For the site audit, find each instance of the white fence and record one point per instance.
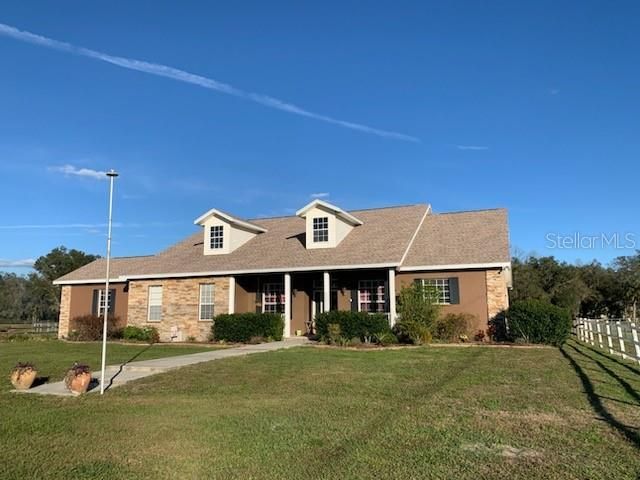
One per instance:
(618, 337)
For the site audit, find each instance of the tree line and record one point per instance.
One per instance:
(588, 290)
(34, 297)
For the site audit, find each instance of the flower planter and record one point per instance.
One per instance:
(23, 376)
(77, 379)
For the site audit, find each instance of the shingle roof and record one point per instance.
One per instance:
(382, 239)
(461, 238)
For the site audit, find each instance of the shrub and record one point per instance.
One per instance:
(417, 305)
(412, 332)
(89, 327)
(143, 334)
(241, 327)
(536, 321)
(450, 327)
(352, 324)
(385, 338)
(334, 333)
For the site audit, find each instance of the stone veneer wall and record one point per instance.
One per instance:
(180, 306)
(497, 294)
(65, 311)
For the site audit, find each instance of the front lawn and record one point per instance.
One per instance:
(460, 413)
(54, 357)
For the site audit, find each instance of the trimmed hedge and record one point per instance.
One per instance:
(242, 327)
(536, 321)
(352, 324)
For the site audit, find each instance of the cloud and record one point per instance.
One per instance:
(25, 263)
(471, 147)
(319, 195)
(204, 82)
(79, 172)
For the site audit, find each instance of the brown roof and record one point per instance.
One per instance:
(383, 238)
(461, 238)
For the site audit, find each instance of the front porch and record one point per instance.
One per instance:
(300, 296)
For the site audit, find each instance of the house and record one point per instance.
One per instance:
(322, 258)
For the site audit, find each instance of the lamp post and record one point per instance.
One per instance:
(112, 174)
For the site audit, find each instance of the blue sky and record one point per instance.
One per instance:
(533, 107)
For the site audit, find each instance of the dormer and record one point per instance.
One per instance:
(326, 224)
(224, 233)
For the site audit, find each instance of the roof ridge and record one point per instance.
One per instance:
(472, 211)
(257, 219)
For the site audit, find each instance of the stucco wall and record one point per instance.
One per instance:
(472, 289)
(77, 301)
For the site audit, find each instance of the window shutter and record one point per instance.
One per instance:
(112, 303)
(354, 300)
(94, 303)
(454, 291)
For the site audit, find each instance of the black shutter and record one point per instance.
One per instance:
(94, 303)
(454, 291)
(112, 303)
(354, 300)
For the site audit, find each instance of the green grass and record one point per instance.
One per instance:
(462, 413)
(53, 358)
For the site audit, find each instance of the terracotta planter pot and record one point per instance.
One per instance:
(23, 381)
(77, 384)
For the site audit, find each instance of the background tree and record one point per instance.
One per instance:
(12, 292)
(589, 290)
(35, 297)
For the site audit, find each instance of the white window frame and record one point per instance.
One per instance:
(273, 297)
(216, 237)
(207, 299)
(442, 286)
(149, 304)
(101, 301)
(320, 229)
(371, 288)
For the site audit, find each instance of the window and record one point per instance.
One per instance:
(103, 301)
(442, 289)
(321, 229)
(273, 298)
(155, 303)
(371, 296)
(206, 301)
(216, 238)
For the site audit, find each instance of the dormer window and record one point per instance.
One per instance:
(321, 229)
(326, 225)
(223, 234)
(217, 237)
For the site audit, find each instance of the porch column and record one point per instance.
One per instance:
(287, 305)
(326, 297)
(232, 294)
(392, 297)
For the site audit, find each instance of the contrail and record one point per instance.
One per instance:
(182, 76)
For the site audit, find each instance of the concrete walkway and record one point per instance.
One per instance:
(117, 375)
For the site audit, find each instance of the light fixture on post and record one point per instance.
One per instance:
(112, 174)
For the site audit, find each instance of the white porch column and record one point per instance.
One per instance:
(232, 294)
(392, 297)
(326, 290)
(287, 305)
